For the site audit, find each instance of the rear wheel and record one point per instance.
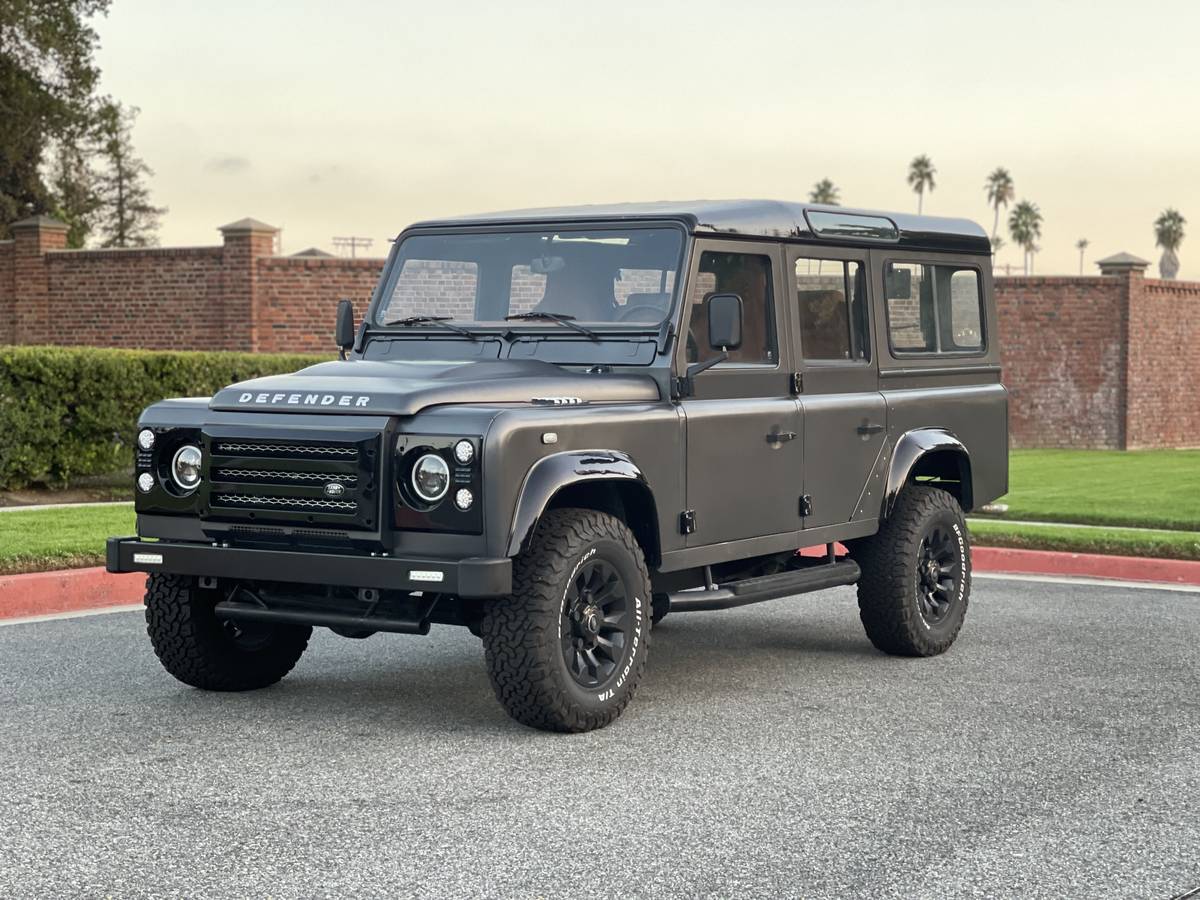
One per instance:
(566, 650)
(206, 652)
(916, 574)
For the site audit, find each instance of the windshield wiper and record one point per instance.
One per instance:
(560, 318)
(442, 321)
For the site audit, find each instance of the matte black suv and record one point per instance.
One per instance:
(557, 426)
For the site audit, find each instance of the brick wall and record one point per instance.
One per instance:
(1110, 361)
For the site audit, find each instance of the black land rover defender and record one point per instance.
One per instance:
(558, 426)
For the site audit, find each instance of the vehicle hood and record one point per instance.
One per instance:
(406, 388)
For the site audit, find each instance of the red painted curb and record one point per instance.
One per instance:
(1088, 565)
(68, 590)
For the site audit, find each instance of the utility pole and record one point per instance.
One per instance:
(353, 244)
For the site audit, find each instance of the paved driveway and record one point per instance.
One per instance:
(770, 752)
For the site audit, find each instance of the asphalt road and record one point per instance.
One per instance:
(771, 751)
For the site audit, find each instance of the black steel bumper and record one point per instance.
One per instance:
(472, 577)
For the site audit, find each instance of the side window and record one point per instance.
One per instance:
(933, 309)
(832, 299)
(749, 276)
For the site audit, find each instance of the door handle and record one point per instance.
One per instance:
(870, 428)
(778, 437)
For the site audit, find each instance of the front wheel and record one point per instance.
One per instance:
(202, 650)
(916, 574)
(566, 650)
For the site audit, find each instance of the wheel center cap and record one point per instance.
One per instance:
(591, 621)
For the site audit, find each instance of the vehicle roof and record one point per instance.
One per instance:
(746, 218)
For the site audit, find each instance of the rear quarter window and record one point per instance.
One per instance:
(934, 309)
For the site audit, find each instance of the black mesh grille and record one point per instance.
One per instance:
(287, 481)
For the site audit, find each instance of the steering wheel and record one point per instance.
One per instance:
(627, 315)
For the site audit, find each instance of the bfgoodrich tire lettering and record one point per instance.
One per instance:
(201, 650)
(581, 594)
(916, 581)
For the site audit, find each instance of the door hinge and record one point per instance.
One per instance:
(687, 521)
(806, 505)
(797, 382)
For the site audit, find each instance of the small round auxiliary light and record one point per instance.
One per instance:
(145, 438)
(431, 478)
(463, 499)
(145, 482)
(185, 467)
(464, 452)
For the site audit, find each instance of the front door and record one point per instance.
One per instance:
(844, 414)
(744, 448)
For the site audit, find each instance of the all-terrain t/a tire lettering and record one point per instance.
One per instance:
(916, 574)
(566, 650)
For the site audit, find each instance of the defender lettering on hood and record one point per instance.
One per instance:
(310, 400)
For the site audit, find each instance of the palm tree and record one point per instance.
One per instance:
(920, 178)
(1025, 226)
(1081, 245)
(824, 191)
(997, 244)
(1000, 192)
(1168, 234)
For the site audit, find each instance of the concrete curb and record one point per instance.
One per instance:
(73, 590)
(1086, 565)
(67, 590)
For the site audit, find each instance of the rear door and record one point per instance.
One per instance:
(845, 418)
(744, 449)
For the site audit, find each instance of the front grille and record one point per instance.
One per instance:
(293, 481)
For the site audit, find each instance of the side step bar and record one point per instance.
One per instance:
(766, 587)
(250, 612)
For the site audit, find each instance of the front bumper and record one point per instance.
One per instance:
(471, 577)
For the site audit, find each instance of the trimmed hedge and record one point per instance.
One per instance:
(66, 412)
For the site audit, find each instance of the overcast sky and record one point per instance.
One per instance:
(356, 118)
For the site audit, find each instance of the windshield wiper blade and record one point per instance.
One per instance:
(560, 318)
(442, 321)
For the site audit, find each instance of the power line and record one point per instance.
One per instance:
(353, 244)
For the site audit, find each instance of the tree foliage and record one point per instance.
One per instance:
(47, 81)
(1000, 192)
(1168, 234)
(1025, 226)
(824, 191)
(920, 177)
(127, 218)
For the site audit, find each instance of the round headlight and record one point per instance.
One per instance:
(185, 467)
(145, 482)
(463, 499)
(464, 452)
(431, 478)
(145, 438)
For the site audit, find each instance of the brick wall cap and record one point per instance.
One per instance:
(42, 223)
(315, 252)
(1122, 262)
(251, 226)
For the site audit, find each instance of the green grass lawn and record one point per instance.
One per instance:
(36, 540)
(1150, 489)
(1115, 541)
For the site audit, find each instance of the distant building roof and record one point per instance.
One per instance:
(313, 251)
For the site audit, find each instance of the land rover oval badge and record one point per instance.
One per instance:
(333, 489)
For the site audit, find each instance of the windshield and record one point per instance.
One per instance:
(620, 277)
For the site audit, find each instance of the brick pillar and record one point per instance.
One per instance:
(32, 239)
(245, 241)
(1129, 271)
(7, 298)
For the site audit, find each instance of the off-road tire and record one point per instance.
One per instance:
(888, 599)
(521, 633)
(198, 649)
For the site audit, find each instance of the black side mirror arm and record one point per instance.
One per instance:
(686, 386)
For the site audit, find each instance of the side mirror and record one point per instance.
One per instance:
(343, 334)
(725, 321)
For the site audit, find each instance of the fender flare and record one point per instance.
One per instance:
(911, 447)
(552, 473)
